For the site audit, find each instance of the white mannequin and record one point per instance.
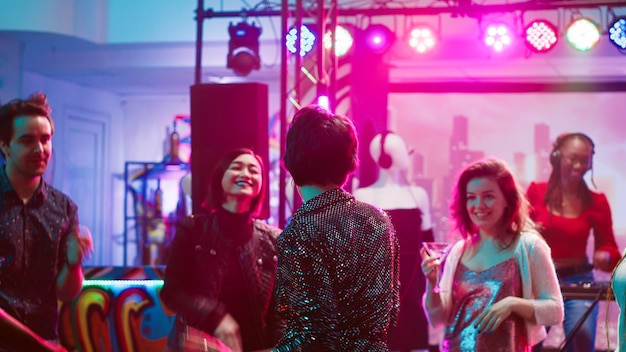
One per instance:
(392, 189)
(393, 192)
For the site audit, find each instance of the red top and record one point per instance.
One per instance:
(567, 237)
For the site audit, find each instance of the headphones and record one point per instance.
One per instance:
(555, 155)
(384, 160)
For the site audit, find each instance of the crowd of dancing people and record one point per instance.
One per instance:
(349, 271)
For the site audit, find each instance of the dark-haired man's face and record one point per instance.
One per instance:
(28, 152)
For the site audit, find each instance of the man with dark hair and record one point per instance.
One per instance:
(337, 277)
(40, 250)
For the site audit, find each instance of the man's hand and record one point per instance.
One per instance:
(78, 246)
(228, 332)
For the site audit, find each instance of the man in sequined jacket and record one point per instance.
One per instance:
(40, 250)
(337, 282)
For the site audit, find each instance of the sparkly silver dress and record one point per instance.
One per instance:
(472, 293)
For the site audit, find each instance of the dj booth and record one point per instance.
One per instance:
(594, 291)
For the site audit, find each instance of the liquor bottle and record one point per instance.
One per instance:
(174, 144)
(158, 200)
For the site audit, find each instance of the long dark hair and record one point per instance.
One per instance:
(515, 216)
(215, 198)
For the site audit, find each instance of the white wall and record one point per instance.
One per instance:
(82, 19)
(69, 101)
(10, 69)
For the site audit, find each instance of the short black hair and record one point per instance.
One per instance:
(321, 148)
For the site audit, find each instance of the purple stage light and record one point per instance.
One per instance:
(378, 38)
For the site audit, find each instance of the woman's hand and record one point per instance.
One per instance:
(228, 332)
(491, 318)
(430, 266)
(601, 260)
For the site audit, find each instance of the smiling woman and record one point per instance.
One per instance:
(566, 211)
(242, 183)
(220, 275)
(498, 284)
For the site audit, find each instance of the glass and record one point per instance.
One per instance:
(437, 250)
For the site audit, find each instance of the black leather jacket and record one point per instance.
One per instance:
(197, 265)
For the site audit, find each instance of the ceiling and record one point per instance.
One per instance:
(169, 68)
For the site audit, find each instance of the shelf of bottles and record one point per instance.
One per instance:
(154, 202)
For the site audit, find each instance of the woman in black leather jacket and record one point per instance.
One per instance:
(221, 270)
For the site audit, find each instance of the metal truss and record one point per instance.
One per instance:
(303, 79)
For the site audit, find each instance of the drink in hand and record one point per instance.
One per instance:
(437, 250)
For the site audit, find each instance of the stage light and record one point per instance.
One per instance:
(617, 33)
(541, 36)
(498, 37)
(243, 48)
(582, 34)
(378, 38)
(422, 39)
(344, 41)
(307, 40)
(324, 102)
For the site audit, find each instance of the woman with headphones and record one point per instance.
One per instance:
(565, 212)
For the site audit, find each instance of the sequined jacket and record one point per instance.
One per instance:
(33, 245)
(337, 283)
(198, 263)
(539, 284)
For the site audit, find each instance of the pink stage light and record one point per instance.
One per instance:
(497, 36)
(324, 102)
(582, 34)
(378, 38)
(541, 36)
(422, 39)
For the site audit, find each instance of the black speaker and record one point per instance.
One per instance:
(225, 117)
